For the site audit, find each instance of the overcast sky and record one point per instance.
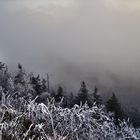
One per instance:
(72, 39)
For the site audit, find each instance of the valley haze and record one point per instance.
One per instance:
(73, 40)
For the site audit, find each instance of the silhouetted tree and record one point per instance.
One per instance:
(83, 95)
(4, 77)
(44, 87)
(71, 100)
(59, 94)
(20, 77)
(114, 106)
(48, 83)
(65, 102)
(134, 115)
(2, 66)
(35, 81)
(96, 97)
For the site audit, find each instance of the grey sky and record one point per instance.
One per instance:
(73, 39)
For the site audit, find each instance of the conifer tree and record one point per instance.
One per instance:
(71, 100)
(96, 97)
(36, 83)
(4, 77)
(2, 66)
(134, 116)
(59, 94)
(83, 96)
(114, 106)
(20, 77)
(65, 102)
(44, 87)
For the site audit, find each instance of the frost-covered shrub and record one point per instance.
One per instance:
(29, 120)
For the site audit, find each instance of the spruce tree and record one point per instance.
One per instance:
(114, 106)
(83, 96)
(2, 66)
(96, 97)
(20, 77)
(59, 94)
(36, 84)
(4, 77)
(44, 87)
(71, 100)
(134, 115)
(65, 102)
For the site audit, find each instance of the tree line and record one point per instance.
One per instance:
(28, 85)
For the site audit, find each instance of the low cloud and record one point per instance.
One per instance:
(74, 40)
